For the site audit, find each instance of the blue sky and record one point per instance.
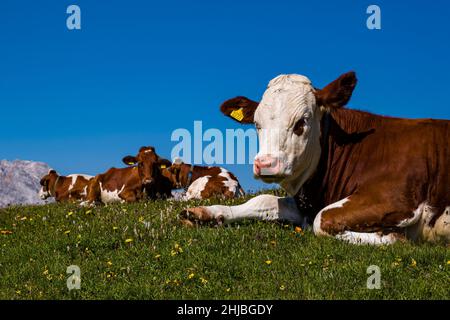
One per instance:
(137, 70)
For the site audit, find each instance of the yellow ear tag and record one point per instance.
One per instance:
(131, 163)
(163, 166)
(237, 114)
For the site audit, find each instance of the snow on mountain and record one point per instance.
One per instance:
(19, 182)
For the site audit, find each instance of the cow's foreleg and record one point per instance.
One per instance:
(263, 207)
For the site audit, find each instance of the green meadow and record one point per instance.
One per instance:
(141, 251)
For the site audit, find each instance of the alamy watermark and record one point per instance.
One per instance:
(374, 280)
(74, 280)
(73, 21)
(374, 20)
(213, 146)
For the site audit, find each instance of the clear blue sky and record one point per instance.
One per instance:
(81, 100)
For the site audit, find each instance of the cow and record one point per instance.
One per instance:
(352, 175)
(69, 188)
(130, 184)
(202, 182)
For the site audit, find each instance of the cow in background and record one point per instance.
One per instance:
(64, 188)
(203, 182)
(129, 184)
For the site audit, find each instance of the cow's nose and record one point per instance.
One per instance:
(263, 165)
(147, 181)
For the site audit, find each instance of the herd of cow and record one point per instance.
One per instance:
(352, 175)
(148, 176)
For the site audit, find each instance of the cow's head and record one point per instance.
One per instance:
(148, 164)
(47, 183)
(178, 173)
(288, 121)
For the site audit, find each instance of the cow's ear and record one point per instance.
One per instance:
(337, 93)
(129, 160)
(240, 109)
(164, 163)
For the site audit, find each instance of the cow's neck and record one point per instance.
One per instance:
(52, 190)
(188, 171)
(342, 131)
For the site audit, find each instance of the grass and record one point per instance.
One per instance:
(163, 260)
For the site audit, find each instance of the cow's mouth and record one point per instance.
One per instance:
(270, 179)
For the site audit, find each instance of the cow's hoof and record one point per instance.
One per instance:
(197, 215)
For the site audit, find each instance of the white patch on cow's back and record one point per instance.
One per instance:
(229, 183)
(111, 196)
(74, 178)
(195, 189)
(318, 219)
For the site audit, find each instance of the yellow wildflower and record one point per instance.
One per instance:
(268, 262)
(128, 240)
(413, 262)
(157, 256)
(203, 280)
(70, 213)
(282, 287)
(109, 263)
(191, 275)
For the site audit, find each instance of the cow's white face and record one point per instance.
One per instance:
(288, 124)
(288, 120)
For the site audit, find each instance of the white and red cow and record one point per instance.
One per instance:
(203, 182)
(64, 188)
(353, 175)
(136, 182)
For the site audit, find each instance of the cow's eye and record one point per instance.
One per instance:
(299, 127)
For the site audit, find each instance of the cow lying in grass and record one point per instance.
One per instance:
(352, 175)
(203, 182)
(64, 188)
(130, 184)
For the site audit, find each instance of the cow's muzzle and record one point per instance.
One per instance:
(266, 165)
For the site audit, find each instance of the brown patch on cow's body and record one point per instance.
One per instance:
(388, 167)
(60, 187)
(114, 180)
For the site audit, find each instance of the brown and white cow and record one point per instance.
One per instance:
(353, 175)
(204, 182)
(127, 184)
(64, 188)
